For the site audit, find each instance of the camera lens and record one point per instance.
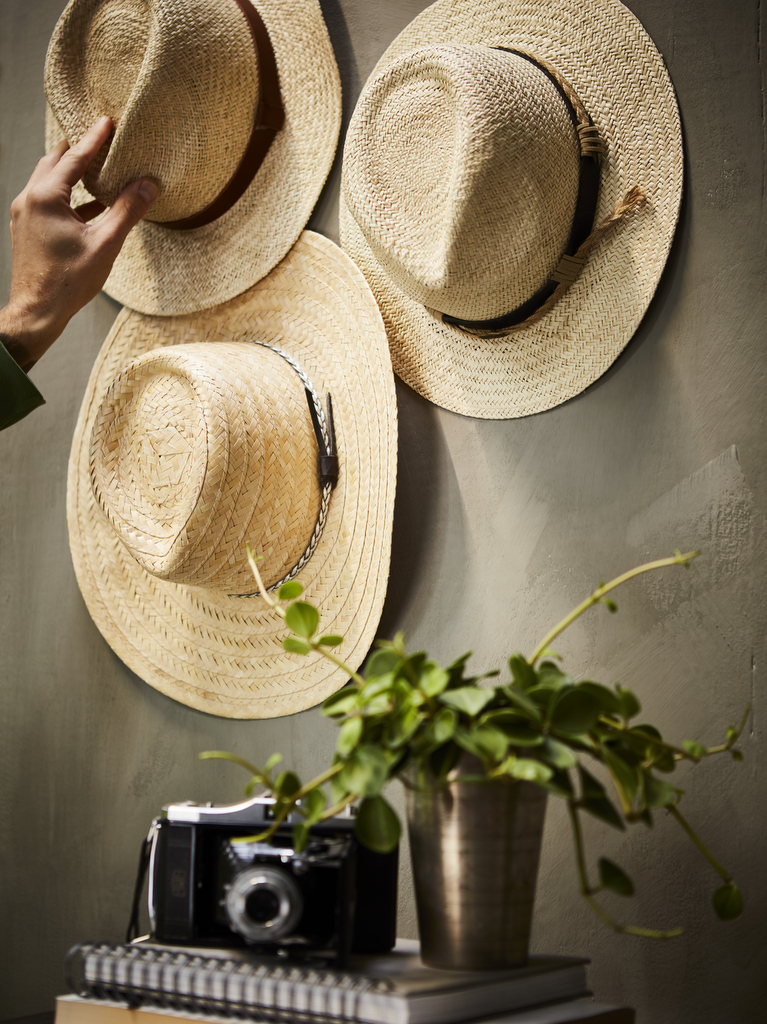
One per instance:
(263, 904)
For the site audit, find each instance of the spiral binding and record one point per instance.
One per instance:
(173, 979)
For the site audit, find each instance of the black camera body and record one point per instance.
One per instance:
(211, 884)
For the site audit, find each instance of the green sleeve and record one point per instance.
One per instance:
(18, 395)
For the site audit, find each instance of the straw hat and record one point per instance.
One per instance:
(232, 106)
(194, 438)
(511, 184)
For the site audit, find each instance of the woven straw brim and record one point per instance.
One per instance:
(164, 272)
(223, 654)
(614, 67)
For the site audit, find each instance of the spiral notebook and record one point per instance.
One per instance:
(394, 988)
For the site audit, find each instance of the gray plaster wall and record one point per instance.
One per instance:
(500, 528)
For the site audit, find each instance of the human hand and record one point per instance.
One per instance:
(60, 261)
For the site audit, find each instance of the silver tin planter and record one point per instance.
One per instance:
(475, 849)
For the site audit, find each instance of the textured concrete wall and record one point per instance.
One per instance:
(500, 528)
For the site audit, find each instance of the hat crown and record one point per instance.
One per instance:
(198, 449)
(178, 78)
(461, 170)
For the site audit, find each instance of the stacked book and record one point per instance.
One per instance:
(146, 983)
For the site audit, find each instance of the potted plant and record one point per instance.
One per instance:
(478, 757)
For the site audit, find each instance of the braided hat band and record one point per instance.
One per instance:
(159, 517)
(461, 213)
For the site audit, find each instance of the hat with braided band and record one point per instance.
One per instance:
(511, 184)
(204, 433)
(232, 106)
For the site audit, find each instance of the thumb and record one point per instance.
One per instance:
(128, 209)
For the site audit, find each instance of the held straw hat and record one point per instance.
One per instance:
(511, 184)
(232, 106)
(201, 433)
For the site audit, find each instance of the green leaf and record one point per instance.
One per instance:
(629, 704)
(624, 776)
(273, 760)
(256, 780)
(468, 699)
(377, 826)
(518, 733)
(658, 793)
(607, 700)
(595, 801)
(442, 726)
(400, 728)
(376, 686)
(341, 702)
(294, 646)
(397, 644)
(528, 770)
(443, 760)
(574, 710)
(300, 836)
(736, 755)
(286, 786)
(522, 671)
(379, 706)
(484, 741)
(290, 590)
(411, 667)
(350, 735)
(522, 702)
(604, 810)
(694, 749)
(612, 877)
(455, 669)
(559, 784)
(365, 772)
(558, 755)
(551, 675)
(331, 640)
(728, 901)
(302, 618)
(433, 680)
(313, 804)
(381, 663)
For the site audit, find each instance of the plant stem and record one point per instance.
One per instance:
(318, 781)
(586, 891)
(703, 849)
(331, 812)
(209, 755)
(735, 736)
(314, 644)
(261, 588)
(600, 592)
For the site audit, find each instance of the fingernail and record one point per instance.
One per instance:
(148, 190)
(103, 120)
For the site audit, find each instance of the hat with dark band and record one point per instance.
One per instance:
(232, 106)
(511, 184)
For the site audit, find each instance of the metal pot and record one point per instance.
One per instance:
(475, 849)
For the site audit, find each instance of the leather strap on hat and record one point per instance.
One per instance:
(269, 119)
(583, 218)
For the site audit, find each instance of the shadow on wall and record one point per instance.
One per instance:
(665, 302)
(420, 482)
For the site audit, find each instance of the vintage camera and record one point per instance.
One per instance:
(210, 883)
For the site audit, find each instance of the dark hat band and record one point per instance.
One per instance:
(269, 119)
(583, 218)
